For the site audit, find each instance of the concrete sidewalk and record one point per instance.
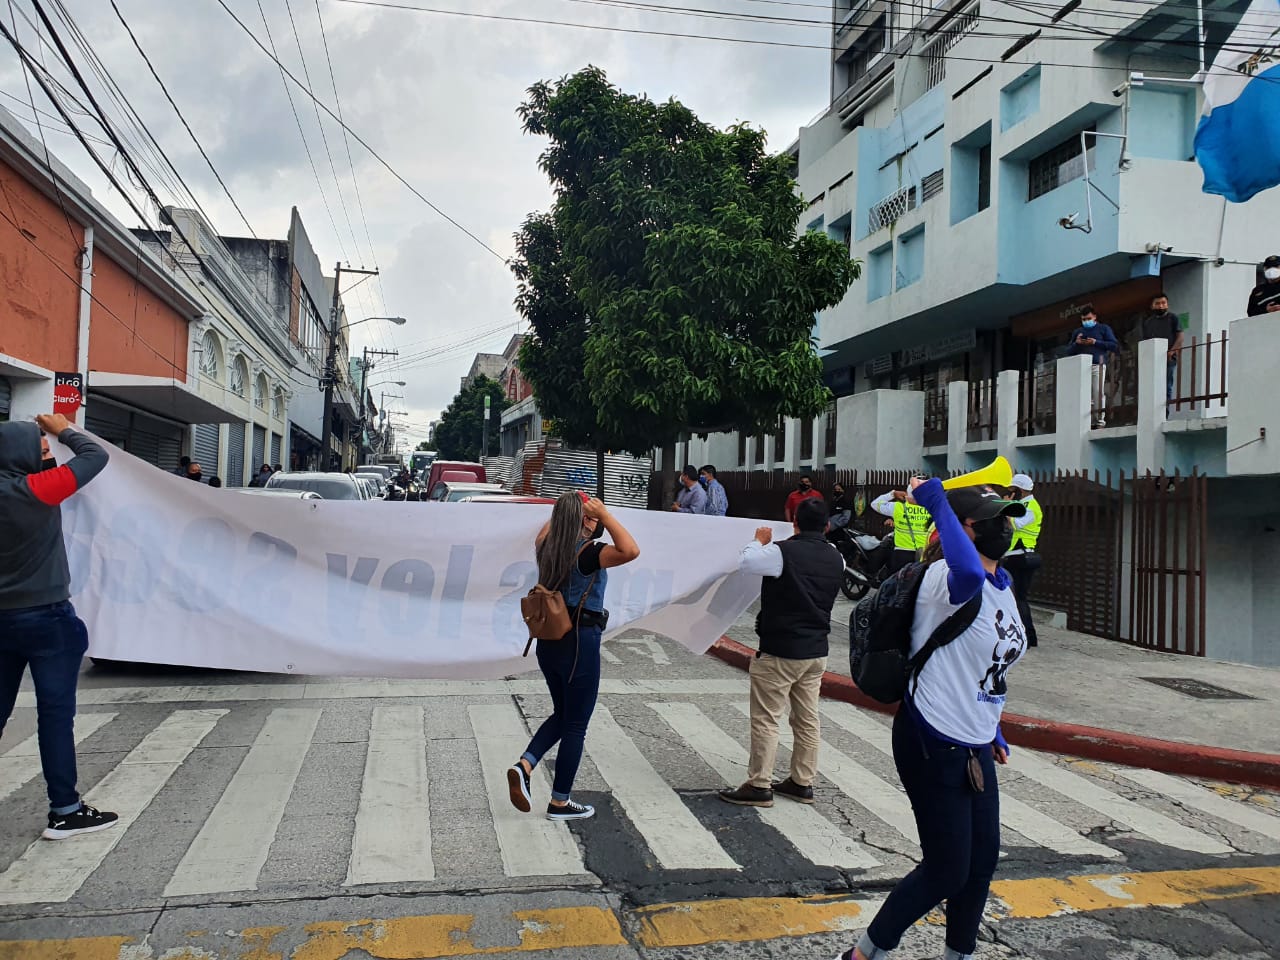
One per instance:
(1083, 695)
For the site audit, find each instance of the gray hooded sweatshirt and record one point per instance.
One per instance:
(33, 558)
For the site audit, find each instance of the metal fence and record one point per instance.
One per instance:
(981, 413)
(1200, 377)
(1123, 557)
(1038, 402)
(935, 416)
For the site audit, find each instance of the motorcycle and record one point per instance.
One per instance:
(865, 560)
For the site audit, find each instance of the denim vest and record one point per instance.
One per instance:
(578, 583)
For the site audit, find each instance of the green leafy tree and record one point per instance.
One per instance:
(424, 445)
(666, 289)
(462, 423)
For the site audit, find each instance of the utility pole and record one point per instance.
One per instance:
(365, 366)
(484, 429)
(330, 378)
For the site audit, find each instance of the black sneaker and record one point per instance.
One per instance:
(570, 811)
(748, 796)
(789, 788)
(85, 820)
(518, 788)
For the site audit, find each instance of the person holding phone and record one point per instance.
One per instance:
(1098, 341)
(571, 558)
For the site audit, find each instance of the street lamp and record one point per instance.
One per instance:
(331, 364)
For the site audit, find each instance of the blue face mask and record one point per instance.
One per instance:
(1088, 323)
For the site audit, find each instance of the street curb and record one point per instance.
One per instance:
(1091, 743)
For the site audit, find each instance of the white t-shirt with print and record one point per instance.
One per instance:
(961, 691)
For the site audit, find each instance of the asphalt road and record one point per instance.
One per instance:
(271, 818)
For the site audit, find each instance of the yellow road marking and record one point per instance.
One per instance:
(685, 924)
(735, 921)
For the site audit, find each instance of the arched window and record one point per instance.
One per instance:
(210, 356)
(277, 403)
(239, 377)
(260, 392)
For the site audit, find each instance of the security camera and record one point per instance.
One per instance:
(1068, 222)
(1119, 91)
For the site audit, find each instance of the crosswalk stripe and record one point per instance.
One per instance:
(230, 849)
(530, 844)
(675, 836)
(20, 765)
(878, 797)
(392, 838)
(1206, 801)
(817, 839)
(53, 872)
(1151, 824)
(1014, 814)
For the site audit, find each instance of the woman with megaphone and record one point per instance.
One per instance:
(946, 735)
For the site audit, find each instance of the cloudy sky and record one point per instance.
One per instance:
(435, 95)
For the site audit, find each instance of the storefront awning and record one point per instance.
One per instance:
(162, 396)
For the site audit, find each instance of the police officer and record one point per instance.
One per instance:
(910, 527)
(1022, 561)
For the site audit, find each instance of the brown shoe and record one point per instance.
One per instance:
(748, 796)
(789, 788)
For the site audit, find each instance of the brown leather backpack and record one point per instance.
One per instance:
(547, 615)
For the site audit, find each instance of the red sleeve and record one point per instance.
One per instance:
(51, 487)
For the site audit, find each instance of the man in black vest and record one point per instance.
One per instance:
(801, 579)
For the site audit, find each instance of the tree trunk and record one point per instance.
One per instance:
(600, 473)
(668, 475)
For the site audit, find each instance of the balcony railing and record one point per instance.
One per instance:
(1038, 402)
(891, 208)
(1198, 380)
(935, 417)
(981, 419)
(1115, 392)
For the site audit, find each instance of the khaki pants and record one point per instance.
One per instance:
(775, 681)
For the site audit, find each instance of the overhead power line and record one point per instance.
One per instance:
(356, 136)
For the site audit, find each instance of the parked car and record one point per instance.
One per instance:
(330, 486)
(448, 491)
(280, 493)
(376, 468)
(507, 498)
(368, 486)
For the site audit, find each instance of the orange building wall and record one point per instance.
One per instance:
(145, 336)
(39, 276)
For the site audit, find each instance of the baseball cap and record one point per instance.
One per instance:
(1022, 482)
(1271, 261)
(979, 503)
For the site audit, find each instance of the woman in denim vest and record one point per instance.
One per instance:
(569, 556)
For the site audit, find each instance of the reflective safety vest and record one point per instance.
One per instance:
(1026, 537)
(910, 526)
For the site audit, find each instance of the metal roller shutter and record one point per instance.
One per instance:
(108, 422)
(235, 456)
(275, 449)
(259, 449)
(158, 443)
(204, 449)
(6, 397)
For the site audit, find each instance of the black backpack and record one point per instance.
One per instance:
(880, 660)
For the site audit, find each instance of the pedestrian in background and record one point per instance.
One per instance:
(802, 576)
(717, 498)
(570, 556)
(692, 498)
(194, 472)
(215, 481)
(181, 469)
(39, 629)
(1265, 297)
(1161, 323)
(841, 508)
(910, 526)
(1022, 561)
(946, 740)
(803, 491)
(1097, 341)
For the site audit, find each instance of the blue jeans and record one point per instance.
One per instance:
(51, 640)
(959, 839)
(571, 668)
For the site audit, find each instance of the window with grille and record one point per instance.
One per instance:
(931, 186)
(1060, 164)
(830, 440)
(806, 441)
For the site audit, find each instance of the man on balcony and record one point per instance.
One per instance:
(1265, 297)
(1096, 340)
(1161, 323)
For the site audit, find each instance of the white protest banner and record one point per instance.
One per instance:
(169, 571)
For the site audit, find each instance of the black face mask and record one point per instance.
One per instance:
(806, 486)
(48, 463)
(595, 531)
(993, 537)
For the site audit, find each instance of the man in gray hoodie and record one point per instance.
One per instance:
(39, 628)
